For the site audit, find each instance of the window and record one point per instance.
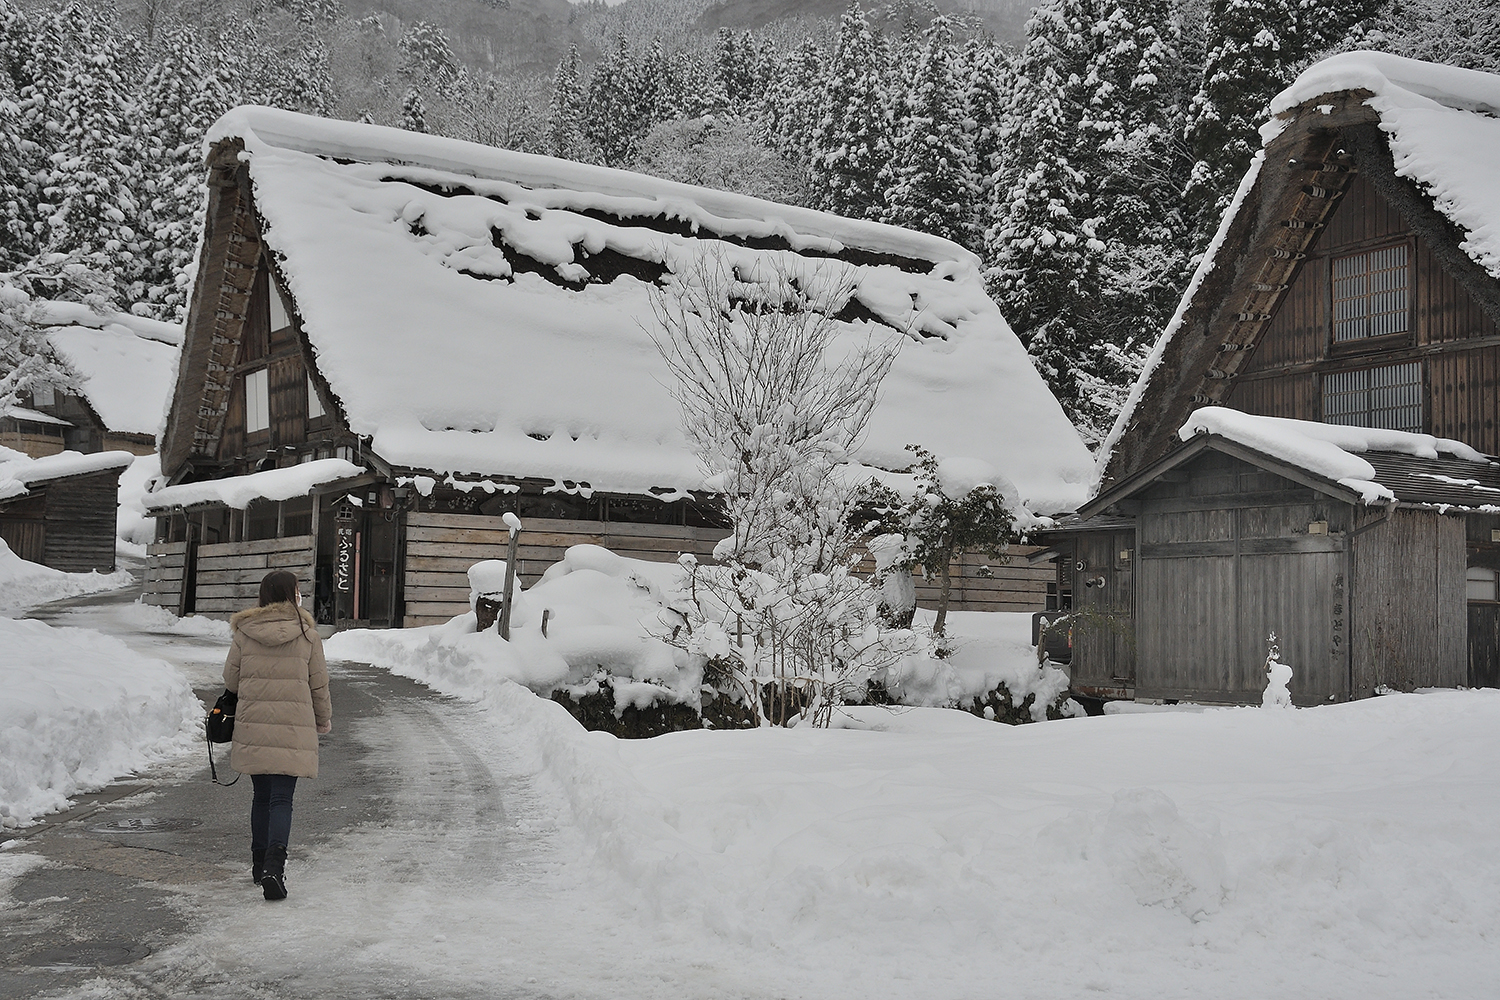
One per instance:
(1482, 584)
(314, 404)
(1389, 397)
(257, 402)
(279, 318)
(42, 395)
(1369, 294)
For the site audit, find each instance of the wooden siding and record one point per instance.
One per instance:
(229, 573)
(77, 517)
(163, 583)
(1484, 645)
(1225, 558)
(1410, 612)
(440, 548)
(1282, 377)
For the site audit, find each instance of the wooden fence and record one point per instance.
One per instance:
(440, 548)
(229, 573)
(163, 584)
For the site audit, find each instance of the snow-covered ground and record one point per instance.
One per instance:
(26, 584)
(1343, 851)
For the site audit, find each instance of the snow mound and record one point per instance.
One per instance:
(81, 709)
(26, 584)
(1161, 857)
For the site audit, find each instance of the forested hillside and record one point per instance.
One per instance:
(1086, 163)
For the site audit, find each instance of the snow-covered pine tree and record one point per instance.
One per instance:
(428, 55)
(734, 62)
(657, 82)
(95, 176)
(1133, 94)
(567, 108)
(26, 359)
(986, 77)
(791, 105)
(413, 112)
(930, 178)
(184, 92)
(614, 120)
(851, 139)
(1253, 49)
(1044, 250)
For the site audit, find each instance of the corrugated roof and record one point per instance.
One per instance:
(1437, 481)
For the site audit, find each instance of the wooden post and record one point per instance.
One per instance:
(510, 575)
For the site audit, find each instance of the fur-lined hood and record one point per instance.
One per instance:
(274, 624)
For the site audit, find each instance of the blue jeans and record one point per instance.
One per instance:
(271, 810)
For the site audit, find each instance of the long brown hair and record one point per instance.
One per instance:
(280, 587)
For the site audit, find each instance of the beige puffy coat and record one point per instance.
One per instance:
(276, 666)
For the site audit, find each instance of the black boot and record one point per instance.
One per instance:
(273, 882)
(257, 864)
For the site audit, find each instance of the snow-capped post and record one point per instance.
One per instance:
(1278, 675)
(514, 524)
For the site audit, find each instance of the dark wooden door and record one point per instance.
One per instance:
(1484, 644)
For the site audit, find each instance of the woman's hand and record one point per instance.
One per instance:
(324, 728)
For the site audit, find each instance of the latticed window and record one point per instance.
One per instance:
(1370, 294)
(1389, 397)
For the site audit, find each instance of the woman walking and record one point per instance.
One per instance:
(276, 667)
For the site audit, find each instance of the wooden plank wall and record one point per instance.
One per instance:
(1410, 613)
(81, 522)
(229, 573)
(1103, 636)
(440, 548)
(163, 583)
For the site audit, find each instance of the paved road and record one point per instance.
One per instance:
(127, 871)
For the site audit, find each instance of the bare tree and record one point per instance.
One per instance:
(775, 417)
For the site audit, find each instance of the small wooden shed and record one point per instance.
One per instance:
(60, 510)
(1181, 572)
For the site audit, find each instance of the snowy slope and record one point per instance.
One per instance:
(428, 274)
(127, 378)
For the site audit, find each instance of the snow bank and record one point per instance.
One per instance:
(382, 232)
(1328, 450)
(80, 709)
(26, 584)
(605, 613)
(240, 491)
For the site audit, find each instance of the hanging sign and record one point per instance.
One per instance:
(343, 565)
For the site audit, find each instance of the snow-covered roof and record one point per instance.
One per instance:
(483, 311)
(20, 472)
(1334, 452)
(240, 491)
(126, 363)
(30, 416)
(1442, 125)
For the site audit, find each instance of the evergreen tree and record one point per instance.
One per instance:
(428, 55)
(615, 118)
(1254, 49)
(1044, 250)
(413, 113)
(985, 77)
(565, 122)
(182, 95)
(931, 180)
(792, 104)
(851, 140)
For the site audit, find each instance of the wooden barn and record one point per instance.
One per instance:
(59, 510)
(395, 338)
(124, 365)
(1354, 283)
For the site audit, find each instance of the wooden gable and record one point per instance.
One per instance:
(1257, 333)
(237, 337)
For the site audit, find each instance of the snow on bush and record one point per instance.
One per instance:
(607, 614)
(80, 709)
(25, 584)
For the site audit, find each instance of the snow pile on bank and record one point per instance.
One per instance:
(26, 584)
(606, 616)
(80, 709)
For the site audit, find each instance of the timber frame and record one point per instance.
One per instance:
(1308, 168)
